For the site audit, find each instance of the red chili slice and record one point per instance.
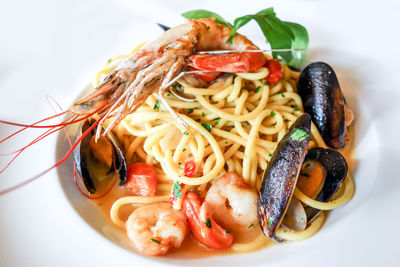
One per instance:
(190, 168)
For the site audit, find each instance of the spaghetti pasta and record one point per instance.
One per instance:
(234, 126)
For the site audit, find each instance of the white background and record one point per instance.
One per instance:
(55, 48)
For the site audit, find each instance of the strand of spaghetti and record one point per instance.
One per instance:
(305, 234)
(317, 136)
(200, 91)
(132, 200)
(256, 75)
(237, 86)
(346, 196)
(178, 151)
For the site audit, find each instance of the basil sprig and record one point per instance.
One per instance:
(279, 34)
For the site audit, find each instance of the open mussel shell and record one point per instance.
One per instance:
(322, 98)
(295, 218)
(94, 173)
(280, 177)
(335, 170)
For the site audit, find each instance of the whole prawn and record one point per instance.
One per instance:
(153, 68)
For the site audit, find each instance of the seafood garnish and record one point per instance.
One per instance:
(334, 168)
(154, 66)
(156, 228)
(322, 98)
(96, 161)
(281, 175)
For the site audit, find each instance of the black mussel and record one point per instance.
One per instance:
(322, 98)
(97, 162)
(280, 177)
(333, 170)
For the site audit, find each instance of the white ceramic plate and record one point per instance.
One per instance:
(55, 48)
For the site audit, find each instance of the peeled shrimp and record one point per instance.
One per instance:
(232, 204)
(158, 64)
(156, 228)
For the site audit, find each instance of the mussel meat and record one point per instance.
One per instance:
(322, 98)
(334, 171)
(280, 177)
(97, 162)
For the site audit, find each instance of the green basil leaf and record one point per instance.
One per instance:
(300, 42)
(239, 22)
(202, 13)
(267, 11)
(277, 33)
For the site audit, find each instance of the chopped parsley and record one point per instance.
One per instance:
(250, 225)
(185, 133)
(177, 189)
(190, 110)
(207, 126)
(226, 142)
(270, 155)
(308, 165)
(292, 106)
(282, 95)
(157, 105)
(155, 160)
(217, 120)
(257, 89)
(203, 114)
(155, 241)
(227, 232)
(269, 223)
(109, 61)
(198, 120)
(272, 113)
(299, 135)
(208, 222)
(265, 83)
(295, 110)
(183, 150)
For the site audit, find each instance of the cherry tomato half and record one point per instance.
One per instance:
(142, 179)
(275, 71)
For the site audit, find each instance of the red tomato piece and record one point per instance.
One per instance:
(142, 179)
(206, 230)
(190, 168)
(275, 71)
